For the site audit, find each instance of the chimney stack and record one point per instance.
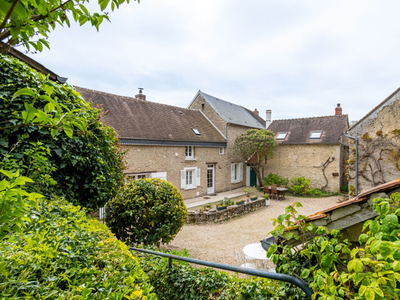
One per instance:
(140, 96)
(268, 118)
(338, 110)
(256, 112)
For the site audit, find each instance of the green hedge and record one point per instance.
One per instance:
(63, 254)
(186, 282)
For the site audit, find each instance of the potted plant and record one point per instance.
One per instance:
(266, 197)
(221, 206)
(240, 202)
(247, 192)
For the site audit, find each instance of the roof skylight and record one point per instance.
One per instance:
(196, 131)
(315, 134)
(281, 135)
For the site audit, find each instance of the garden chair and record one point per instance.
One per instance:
(274, 192)
(241, 261)
(245, 240)
(281, 194)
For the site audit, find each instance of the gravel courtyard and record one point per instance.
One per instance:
(217, 241)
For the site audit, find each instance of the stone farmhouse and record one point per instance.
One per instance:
(377, 157)
(190, 147)
(311, 147)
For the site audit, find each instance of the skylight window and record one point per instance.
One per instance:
(281, 135)
(315, 134)
(196, 131)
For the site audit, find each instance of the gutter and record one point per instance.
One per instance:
(354, 138)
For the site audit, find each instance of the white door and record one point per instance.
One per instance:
(210, 179)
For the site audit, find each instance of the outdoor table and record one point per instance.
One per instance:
(256, 251)
(280, 189)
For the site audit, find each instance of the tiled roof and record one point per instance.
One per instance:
(233, 113)
(146, 120)
(361, 198)
(299, 130)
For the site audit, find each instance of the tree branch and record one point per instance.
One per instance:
(8, 14)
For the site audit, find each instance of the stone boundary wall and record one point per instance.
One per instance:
(198, 217)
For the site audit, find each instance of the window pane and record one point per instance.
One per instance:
(281, 136)
(315, 135)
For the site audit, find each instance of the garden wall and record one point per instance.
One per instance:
(200, 216)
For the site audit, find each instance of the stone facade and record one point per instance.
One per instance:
(306, 160)
(378, 135)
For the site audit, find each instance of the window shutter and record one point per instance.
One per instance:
(241, 172)
(232, 173)
(197, 177)
(183, 179)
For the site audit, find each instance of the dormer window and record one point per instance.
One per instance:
(196, 131)
(281, 135)
(189, 153)
(315, 134)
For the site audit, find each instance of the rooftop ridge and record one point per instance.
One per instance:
(309, 118)
(131, 98)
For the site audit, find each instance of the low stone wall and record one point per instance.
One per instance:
(200, 216)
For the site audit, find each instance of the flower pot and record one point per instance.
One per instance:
(253, 198)
(267, 242)
(222, 207)
(240, 202)
(267, 202)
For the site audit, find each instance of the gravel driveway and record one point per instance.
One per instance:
(217, 241)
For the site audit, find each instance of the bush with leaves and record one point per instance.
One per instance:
(275, 179)
(147, 211)
(63, 254)
(184, 281)
(83, 154)
(332, 267)
(299, 185)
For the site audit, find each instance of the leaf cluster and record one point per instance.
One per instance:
(84, 158)
(147, 211)
(63, 254)
(184, 281)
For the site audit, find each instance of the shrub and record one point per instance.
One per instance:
(183, 281)
(333, 268)
(344, 188)
(275, 179)
(65, 255)
(147, 211)
(299, 185)
(84, 158)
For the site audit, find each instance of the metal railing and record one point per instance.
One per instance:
(271, 275)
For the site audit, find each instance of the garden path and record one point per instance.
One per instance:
(217, 241)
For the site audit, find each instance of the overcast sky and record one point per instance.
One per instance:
(297, 58)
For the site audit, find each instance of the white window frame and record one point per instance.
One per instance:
(236, 172)
(313, 134)
(195, 178)
(132, 177)
(281, 135)
(189, 149)
(221, 150)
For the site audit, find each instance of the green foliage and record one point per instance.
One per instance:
(21, 21)
(250, 190)
(299, 185)
(255, 146)
(344, 188)
(334, 269)
(147, 211)
(65, 255)
(83, 155)
(275, 179)
(186, 282)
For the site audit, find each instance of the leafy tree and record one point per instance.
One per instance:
(147, 211)
(83, 155)
(22, 20)
(255, 146)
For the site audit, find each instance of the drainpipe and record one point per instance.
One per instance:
(227, 126)
(354, 138)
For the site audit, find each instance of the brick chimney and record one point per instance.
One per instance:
(140, 96)
(338, 110)
(256, 112)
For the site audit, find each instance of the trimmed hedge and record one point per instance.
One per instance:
(147, 211)
(186, 282)
(63, 254)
